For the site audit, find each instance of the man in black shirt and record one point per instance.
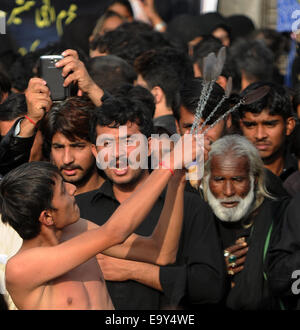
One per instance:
(268, 123)
(198, 276)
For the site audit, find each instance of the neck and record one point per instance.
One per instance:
(95, 182)
(48, 236)
(162, 110)
(276, 163)
(124, 191)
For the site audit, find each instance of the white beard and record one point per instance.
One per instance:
(232, 214)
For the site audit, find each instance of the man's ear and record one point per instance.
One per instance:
(94, 150)
(158, 94)
(46, 218)
(290, 125)
(222, 81)
(177, 126)
(149, 146)
(228, 122)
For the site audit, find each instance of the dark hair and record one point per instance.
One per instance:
(5, 85)
(137, 92)
(110, 72)
(240, 26)
(185, 27)
(24, 193)
(277, 101)
(273, 39)
(13, 107)
(128, 43)
(189, 97)
(125, 3)
(117, 111)
(295, 142)
(208, 44)
(70, 118)
(296, 97)
(167, 68)
(254, 58)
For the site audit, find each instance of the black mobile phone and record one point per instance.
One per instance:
(52, 75)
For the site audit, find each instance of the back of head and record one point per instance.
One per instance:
(24, 193)
(273, 39)
(137, 93)
(254, 59)
(241, 26)
(13, 107)
(128, 44)
(110, 71)
(185, 27)
(167, 68)
(70, 118)
(277, 101)
(117, 111)
(214, 20)
(208, 44)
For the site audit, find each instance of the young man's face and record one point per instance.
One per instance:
(118, 148)
(66, 210)
(74, 159)
(267, 132)
(186, 121)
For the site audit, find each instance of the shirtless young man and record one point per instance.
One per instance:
(56, 266)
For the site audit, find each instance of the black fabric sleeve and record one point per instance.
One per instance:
(198, 277)
(14, 150)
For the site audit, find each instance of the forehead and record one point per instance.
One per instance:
(230, 165)
(260, 117)
(62, 139)
(185, 115)
(58, 180)
(124, 130)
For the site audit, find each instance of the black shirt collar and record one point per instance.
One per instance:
(106, 190)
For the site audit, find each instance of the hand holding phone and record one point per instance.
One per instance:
(53, 76)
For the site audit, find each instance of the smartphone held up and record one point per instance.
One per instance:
(53, 76)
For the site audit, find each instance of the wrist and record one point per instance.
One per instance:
(31, 120)
(165, 165)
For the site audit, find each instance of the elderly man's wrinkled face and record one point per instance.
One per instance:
(230, 187)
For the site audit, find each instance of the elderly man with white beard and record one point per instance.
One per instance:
(248, 219)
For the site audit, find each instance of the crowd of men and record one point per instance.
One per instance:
(87, 229)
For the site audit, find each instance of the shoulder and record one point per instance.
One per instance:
(197, 212)
(194, 202)
(86, 197)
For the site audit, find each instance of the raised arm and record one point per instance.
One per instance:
(161, 247)
(38, 102)
(75, 71)
(48, 263)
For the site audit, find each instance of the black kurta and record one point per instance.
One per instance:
(251, 290)
(199, 274)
